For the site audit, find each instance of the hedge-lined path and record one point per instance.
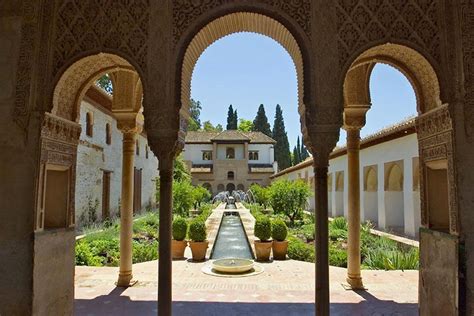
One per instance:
(285, 288)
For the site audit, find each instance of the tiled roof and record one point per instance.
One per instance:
(228, 136)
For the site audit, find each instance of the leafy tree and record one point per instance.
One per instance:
(245, 125)
(106, 83)
(208, 127)
(181, 171)
(182, 197)
(260, 194)
(231, 118)
(260, 123)
(289, 197)
(195, 111)
(282, 147)
(200, 194)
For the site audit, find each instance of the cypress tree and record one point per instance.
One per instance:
(260, 123)
(295, 156)
(231, 119)
(303, 151)
(235, 121)
(282, 147)
(298, 150)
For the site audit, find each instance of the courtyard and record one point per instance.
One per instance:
(284, 288)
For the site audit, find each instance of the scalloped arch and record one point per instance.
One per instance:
(237, 23)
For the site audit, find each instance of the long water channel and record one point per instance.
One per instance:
(231, 240)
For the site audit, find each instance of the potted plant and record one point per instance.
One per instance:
(198, 243)
(280, 244)
(263, 231)
(180, 228)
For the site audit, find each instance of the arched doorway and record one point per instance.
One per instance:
(230, 187)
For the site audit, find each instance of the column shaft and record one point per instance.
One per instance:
(165, 259)
(353, 252)
(126, 211)
(322, 241)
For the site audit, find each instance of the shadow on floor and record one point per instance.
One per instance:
(117, 305)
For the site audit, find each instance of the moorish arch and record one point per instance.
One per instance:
(237, 23)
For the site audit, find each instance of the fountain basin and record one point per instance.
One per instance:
(233, 265)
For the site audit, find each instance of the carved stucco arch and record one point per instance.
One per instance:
(414, 66)
(239, 22)
(73, 82)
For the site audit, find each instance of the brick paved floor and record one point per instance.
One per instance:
(285, 288)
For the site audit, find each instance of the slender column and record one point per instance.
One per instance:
(165, 262)
(322, 240)
(126, 211)
(353, 250)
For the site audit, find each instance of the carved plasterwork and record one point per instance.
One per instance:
(361, 22)
(59, 141)
(186, 11)
(467, 28)
(435, 137)
(83, 26)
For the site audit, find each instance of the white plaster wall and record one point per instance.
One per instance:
(265, 153)
(394, 208)
(94, 156)
(239, 151)
(193, 152)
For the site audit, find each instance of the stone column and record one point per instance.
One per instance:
(246, 151)
(126, 209)
(166, 217)
(353, 240)
(354, 120)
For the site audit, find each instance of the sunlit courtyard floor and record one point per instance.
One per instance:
(284, 288)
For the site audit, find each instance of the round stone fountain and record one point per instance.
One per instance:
(233, 265)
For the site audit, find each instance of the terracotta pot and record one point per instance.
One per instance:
(280, 249)
(263, 249)
(199, 250)
(177, 248)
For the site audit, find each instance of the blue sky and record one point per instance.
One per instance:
(247, 69)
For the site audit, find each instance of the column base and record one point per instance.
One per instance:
(354, 283)
(125, 280)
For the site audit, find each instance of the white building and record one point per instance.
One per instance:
(389, 179)
(229, 160)
(99, 162)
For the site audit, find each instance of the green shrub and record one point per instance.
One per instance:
(298, 250)
(308, 231)
(256, 210)
(392, 260)
(107, 249)
(145, 251)
(260, 194)
(279, 230)
(200, 195)
(337, 234)
(339, 223)
(263, 228)
(180, 228)
(337, 256)
(197, 230)
(182, 197)
(84, 255)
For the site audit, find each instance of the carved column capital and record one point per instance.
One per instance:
(354, 117)
(321, 141)
(129, 123)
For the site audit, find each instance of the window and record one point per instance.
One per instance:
(230, 175)
(89, 124)
(137, 147)
(108, 134)
(253, 155)
(230, 153)
(207, 155)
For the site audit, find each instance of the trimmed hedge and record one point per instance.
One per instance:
(197, 230)
(263, 228)
(180, 228)
(279, 230)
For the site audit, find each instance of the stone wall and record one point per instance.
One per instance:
(95, 156)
